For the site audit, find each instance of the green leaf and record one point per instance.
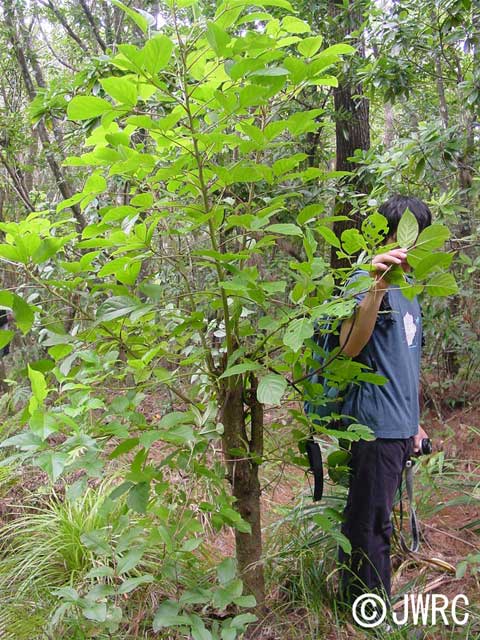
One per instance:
(167, 615)
(308, 47)
(130, 560)
(121, 89)
(53, 463)
(125, 270)
(328, 235)
(407, 231)
(441, 284)
(271, 389)
(132, 583)
(352, 241)
(96, 611)
(432, 262)
(139, 20)
(298, 331)
(5, 337)
(225, 595)
(240, 368)
(157, 54)
(23, 312)
(39, 385)
(86, 107)
(120, 306)
(226, 570)
(433, 237)
(291, 24)
(137, 498)
(285, 229)
(375, 228)
(217, 38)
(96, 542)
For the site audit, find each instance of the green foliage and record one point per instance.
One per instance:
(190, 145)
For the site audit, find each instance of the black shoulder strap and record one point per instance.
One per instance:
(314, 454)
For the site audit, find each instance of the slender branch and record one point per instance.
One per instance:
(91, 20)
(61, 18)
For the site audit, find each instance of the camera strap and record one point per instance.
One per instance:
(412, 515)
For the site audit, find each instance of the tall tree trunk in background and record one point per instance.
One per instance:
(20, 39)
(352, 124)
(389, 124)
(468, 117)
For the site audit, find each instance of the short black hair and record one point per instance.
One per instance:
(395, 206)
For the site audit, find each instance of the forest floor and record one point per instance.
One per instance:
(446, 539)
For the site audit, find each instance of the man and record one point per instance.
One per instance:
(386, 335)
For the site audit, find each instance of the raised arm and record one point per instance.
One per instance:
(368, 308)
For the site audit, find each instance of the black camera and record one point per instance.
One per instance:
(426, 447)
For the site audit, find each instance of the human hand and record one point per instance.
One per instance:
(417, 440)
(383, 263)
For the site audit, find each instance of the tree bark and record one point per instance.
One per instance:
(22, 48)
(91, 20)
(352, 124)
(243, 477)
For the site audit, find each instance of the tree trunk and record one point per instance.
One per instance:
(389, 129)
(23, 50)
(243, 477)
(352, 124)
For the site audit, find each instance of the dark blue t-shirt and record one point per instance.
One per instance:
(391, 410)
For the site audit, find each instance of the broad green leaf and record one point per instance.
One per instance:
(310, 212)
(226, 570)
(101, 572)
(157, 54)
(120, 306)
(287, 229)
(39, 385)
(441, 284)
(96, 541)
(86, 107)
(375, 228)
(308, 47)
(217, 38)
(5, 337)
(125, 270)
(297, 332)
(137, 498)
(432, 262)
(96, 611)
(230, 4)
(137, 17)
(291, 24)
(433, 237)
(240, 368)
(130, 560)
(407, 231)
(95, 183)
(120, 89)
(225, 595)
(132, 583)
(271, 389)
(167, 615)
(352, 241)
(328, 235)
(53, 463)
(48, 248)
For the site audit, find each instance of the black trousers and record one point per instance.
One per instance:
(376, 472)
